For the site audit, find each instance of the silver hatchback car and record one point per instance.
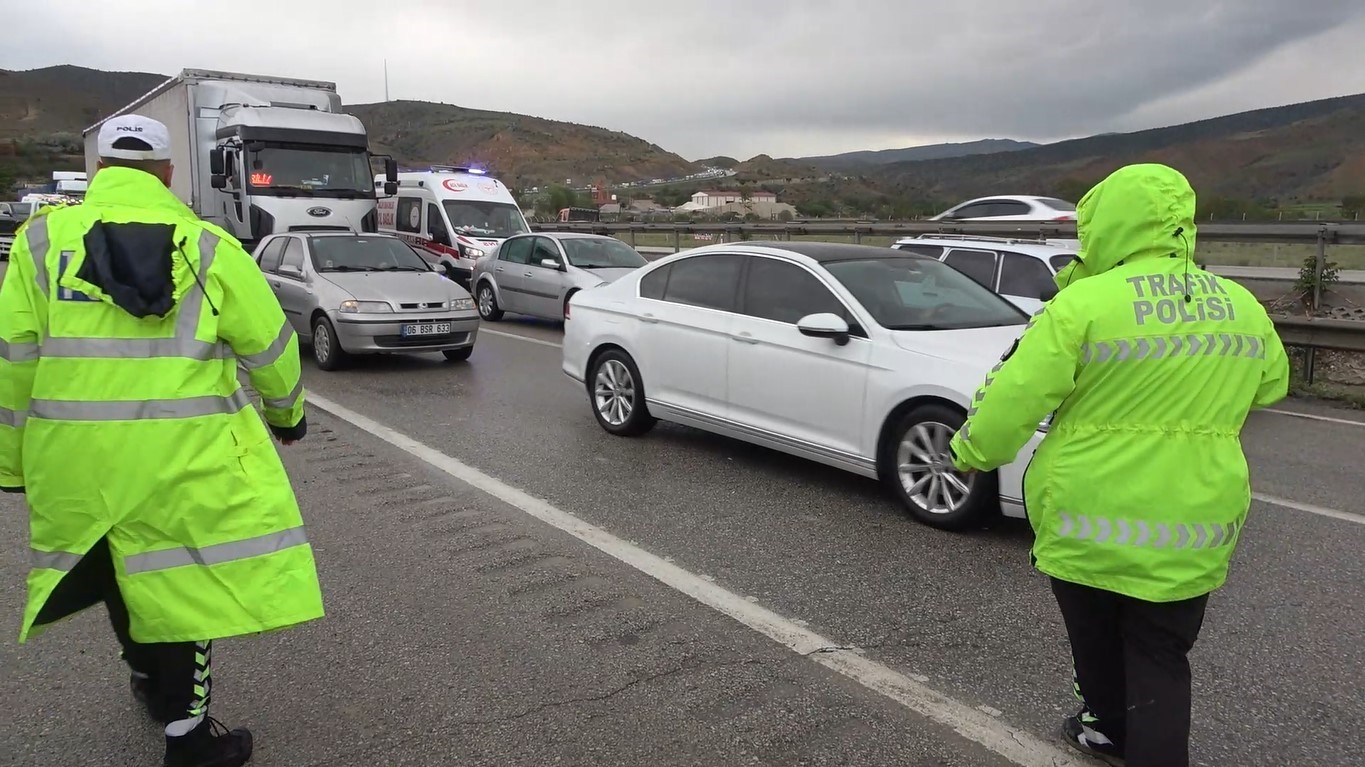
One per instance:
(347, 293)
(537, 274)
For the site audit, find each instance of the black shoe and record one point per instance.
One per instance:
(1089, 741)
(210, 744)
(146, 693)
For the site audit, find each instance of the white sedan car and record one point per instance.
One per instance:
(858, 357)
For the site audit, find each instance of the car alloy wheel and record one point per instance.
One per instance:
(614, 393)
(925, 468)
(488, 303)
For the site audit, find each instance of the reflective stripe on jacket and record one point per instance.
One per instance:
(122, 322)
(1151, 366)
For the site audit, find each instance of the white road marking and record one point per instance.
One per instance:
(1313, 417)
(1018, 746)
(519, 337)
(1321, 511)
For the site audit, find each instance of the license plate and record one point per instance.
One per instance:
(426, 329)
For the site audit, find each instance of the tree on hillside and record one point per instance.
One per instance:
(1353, 206)
(557, 197)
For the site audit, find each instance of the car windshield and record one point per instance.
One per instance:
(484, 218)
(601, 253)
(365, 254)
(907, 293)
(1056, 204)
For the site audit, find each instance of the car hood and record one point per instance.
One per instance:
(975, 346)
(396, 287)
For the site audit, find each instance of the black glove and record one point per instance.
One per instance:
(291, 433)
(18, 490)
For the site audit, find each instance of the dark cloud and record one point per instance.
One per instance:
(795, 77)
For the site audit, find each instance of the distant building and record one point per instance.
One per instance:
(715, 199)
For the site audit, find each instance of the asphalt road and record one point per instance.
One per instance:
(462, 631)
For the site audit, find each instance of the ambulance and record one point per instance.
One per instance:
(453, 215)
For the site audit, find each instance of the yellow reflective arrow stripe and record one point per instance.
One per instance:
(216, 554)
(1144, 533)
(1182, 346)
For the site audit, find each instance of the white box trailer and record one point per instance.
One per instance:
(259, 155)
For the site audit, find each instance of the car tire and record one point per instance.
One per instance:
(617, 395)
(487, 301)
(327, 351)
(458, 355)
(931, 490)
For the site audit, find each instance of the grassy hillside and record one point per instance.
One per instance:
(524, 151)
(854, 162)
(65, 99)
(1309, 151)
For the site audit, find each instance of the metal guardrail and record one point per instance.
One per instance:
(5, 244)
(1305, 232)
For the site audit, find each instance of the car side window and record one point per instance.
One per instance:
(516, 250)
(436, 226)
(544, 250)
(1061, 261)
(783, 292)
(293, 253)
(975, 210)
(652, 285)
(1010, 208)
(932, 251)
(1024, 276)
(706, 281)
(977, 264)
(270, 254)
(409, 216)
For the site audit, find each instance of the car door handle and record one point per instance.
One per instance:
(745, 338)
(648, 318)
(528, 274)
(499, 269)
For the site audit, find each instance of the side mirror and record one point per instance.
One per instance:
(217, 162)
(390, 174)
(441, 238)
(550, 263)
(289, 270)
(218, 181)
(390, 188)
(824, 325)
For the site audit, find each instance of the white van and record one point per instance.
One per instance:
(452, 215)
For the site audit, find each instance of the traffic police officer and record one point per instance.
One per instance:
(1138, 493)
(150, 479)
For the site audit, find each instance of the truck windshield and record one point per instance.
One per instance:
(484, 218)
(301, 169)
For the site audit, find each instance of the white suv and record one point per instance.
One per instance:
(1020, 270)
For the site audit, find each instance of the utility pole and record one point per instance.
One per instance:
(386, 79)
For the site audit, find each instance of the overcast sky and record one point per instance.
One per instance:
(743, 77)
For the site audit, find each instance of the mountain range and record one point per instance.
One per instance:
(1300, 152)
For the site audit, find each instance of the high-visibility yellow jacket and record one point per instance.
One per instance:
(122, 322)
(1151, 365)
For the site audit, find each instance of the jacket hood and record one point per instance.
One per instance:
(1139, 212)
(130, 264)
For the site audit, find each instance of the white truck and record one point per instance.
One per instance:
(260, 155)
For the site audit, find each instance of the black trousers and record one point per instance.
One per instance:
(176, 674)
(1133, 669)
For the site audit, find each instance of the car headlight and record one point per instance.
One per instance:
(469, 252)
(461, 304)
(355, 307)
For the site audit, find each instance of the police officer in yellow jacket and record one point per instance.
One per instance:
(150, 479)
(1138, 493)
